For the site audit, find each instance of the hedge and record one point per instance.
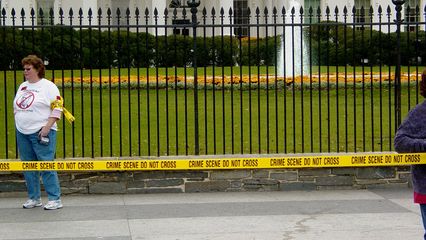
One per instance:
(74, 48)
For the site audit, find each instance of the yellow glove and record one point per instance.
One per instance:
(59, 103)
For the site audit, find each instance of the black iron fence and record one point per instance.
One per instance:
(192, 81)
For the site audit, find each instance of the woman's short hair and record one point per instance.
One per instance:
(36, 62)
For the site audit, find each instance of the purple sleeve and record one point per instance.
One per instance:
(411, 135)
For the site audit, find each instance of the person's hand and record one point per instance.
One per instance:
(44, 131)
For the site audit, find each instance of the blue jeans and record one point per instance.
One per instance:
(423, 211)
(31, 150)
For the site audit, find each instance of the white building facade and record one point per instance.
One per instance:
(239, 7)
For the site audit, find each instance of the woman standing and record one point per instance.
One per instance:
(36, 128)
(411, 137)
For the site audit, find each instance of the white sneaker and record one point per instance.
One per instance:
(32, 203)
(53, 205)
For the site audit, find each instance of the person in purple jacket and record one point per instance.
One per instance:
(411, 137)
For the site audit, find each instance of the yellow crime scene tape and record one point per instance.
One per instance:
(279, 162)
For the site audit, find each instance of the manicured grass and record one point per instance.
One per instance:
(256, 121)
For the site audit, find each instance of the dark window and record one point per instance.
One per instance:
(241, 17)
(314, 4)
(45, 5)
(362, 16)
(411, 15)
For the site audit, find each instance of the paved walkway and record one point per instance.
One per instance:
(343, 214)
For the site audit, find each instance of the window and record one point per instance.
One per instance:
(45, 5)
(411, 15)
(362, 17)
(314, 4)
(241, 17)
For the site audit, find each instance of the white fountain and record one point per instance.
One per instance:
(293, 51)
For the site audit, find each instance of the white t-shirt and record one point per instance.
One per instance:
(32, 105)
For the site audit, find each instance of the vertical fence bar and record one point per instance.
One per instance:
(274, 17)
(166, 13)
(363, 77)
(370, 58)
(138, 65)
(319, 83)
(354, 78)
(388, 10)
(92, 131)
(185, 70)
(193, 5)
(398, 7)
(345, 43)
(311, 112)
(81, 55)
(380, 78)
(327, 62)
(175, 85)
(6, 103)
(283, 37)
(71, 16)
(259, 135)
(266, 16)
(204, 17)
(416, 50)
(148, 118)
(14, 26)
(129, 62)
(302, 109)
(293, 69)
(408, 54)
(222, 16)
(32, 17)
(119, 65)
(231, 55)
(157, 99)
(61, 20)
(213, 18)
(240, 64)
(250, 83)
(101, 125)
(110, 82)
(336, 42)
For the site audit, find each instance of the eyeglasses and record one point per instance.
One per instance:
(27, 69)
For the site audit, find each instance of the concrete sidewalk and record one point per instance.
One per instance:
(339, 214)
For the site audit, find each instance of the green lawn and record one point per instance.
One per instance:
(264, 121)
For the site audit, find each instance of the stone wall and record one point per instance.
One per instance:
(220, 180)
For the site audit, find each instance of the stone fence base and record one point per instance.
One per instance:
(220, 180)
